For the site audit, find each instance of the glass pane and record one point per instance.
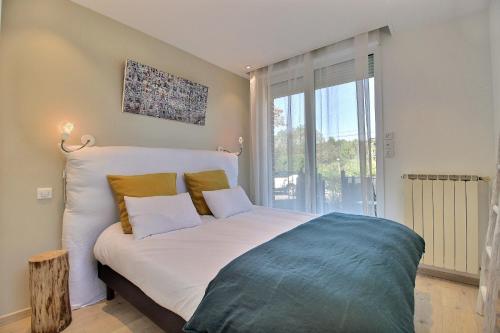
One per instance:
(288, 152)
(373, 128)
(372, 159)
(337, 148)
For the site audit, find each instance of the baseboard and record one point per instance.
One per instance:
(466, 278)
(14, 316)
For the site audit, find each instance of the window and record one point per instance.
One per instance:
(345, 168)
(337, 148)
(288, 152)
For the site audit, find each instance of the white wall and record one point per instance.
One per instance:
(437, 99)
(495, 61)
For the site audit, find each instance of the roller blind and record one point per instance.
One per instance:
(287, 88)
(340, 73)
(328, 76)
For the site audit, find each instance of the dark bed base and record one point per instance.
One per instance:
(167, 320)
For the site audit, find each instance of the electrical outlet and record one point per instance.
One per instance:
(43, 193)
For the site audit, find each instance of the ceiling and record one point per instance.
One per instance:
(235, 33)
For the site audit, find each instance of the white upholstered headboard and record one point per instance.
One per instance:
(90, 205)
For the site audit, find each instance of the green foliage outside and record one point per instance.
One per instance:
(332, 156)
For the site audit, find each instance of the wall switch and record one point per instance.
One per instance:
(389, 144)
(43, 193)
(389, 153)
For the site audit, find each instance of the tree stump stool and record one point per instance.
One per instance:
(50, 308)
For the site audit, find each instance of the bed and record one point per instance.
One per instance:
(197, 254)
(236, 272)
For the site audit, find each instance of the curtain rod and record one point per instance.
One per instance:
(384, 29)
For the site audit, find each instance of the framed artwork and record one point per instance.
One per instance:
(150, 92)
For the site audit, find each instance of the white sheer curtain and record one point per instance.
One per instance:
(281, 167)
(364, 124)
(260, 127)
(312, 131)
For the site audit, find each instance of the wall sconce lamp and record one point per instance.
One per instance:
(66, 129)
(222, 149)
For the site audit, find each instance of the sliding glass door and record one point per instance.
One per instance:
(338, 159)
(344, 144)
(288, 152)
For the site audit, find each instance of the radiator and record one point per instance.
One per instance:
(449, 212)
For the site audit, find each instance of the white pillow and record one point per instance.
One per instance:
(160, 214)
(225, 203)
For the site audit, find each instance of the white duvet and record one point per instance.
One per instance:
(175, 268)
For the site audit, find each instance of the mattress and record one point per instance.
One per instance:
(174, 269)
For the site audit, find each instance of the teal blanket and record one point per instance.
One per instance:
(336, 273)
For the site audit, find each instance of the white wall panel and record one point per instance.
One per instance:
(418, 223)
(424, 104)
(472, 192)
(449, 223)
(428, 221)
(437, 194)
(460, 227)
(408, 194)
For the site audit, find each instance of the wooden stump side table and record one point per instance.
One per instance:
(50, 308)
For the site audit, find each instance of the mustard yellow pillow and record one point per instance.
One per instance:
(204, 181)
(148, 185)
